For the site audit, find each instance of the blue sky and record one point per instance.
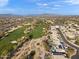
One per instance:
(25, 7)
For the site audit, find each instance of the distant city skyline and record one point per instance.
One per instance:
(28, 7)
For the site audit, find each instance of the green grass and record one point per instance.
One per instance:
(5, 45)
(77, 41)
(37, 31)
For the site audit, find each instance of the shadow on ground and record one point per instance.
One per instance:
(75, 56)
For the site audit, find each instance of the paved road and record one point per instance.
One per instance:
(66, 41)
(55, 36)
(76, 47)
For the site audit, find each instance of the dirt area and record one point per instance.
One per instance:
(36, 46)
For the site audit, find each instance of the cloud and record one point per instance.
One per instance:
(32, 1)
(3, 3)
(42, 4)
(75, 2)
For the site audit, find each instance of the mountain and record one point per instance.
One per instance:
(44, 14)
(8, 15)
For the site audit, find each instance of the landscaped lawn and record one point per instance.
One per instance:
(5, 45)
(37, 31)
